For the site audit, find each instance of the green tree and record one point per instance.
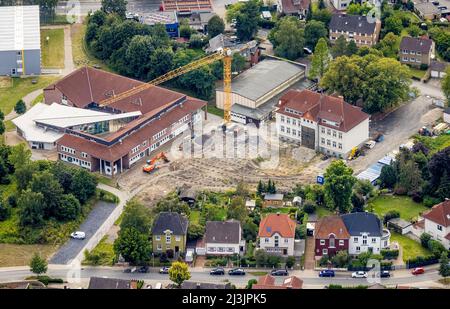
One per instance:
(340, 47)
(69, 208)
(425, 239)
(118, 7)
(2, 124)
(20, 107)
(315, 30)
(389, 45)
(136, 216)
(138, 55)
(31, 208)
(309, 12)
(288, 38)
(161, 62)
(237, 210)
(339, 181)
(290, 261)
(83, 185)
(321, 4)
(388, 177)
(249, 230)
(323, 15)
(195, 231)
(215, 26)
(414, 31)
(20, 155)
(5, 211)
(340, 259)
(444, 267)
(393, 24)
(261, 257)
(357, 202)
(186, 31)
(409, 177)
(173, 204)
(247, 20)
(260, 189)
(320, 60)
(38, 265)
(179, 272)
(238, 63)
(352, 48)
(133, 246)
(46, 184)
(250, 284)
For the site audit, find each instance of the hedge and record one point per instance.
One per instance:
(389, 254)
(420, 261)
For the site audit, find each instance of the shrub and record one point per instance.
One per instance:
(436, 248)
(424, 239)
(389, 254)
(290, 261)
(163, 258)
(170, 253)
(429, 201)
(423, 66)
(250, 283)
(391, 214)
(273, 261)
(309, 207)
(47, 280)
(420, 261)
(324, 260)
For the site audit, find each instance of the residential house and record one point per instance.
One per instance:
(416, 52)
(321, 122)
(366, 233)
(169, 232)
(268, 282)
(192, 285)
(168, 19)
(400, 225)
(248, 50)
(438, 68)
(330, 236)
(250, 204)
(20, 43)
(273, 200)
(293, 7)
(341, 5)
(224, 238)
(427, 10)
(354, 27)
(437, 222)
(104, 283)
(276, 234)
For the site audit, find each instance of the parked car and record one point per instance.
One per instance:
(385, 274)
(164, 270)
(142, 269)
(359, 274)
(418, 271)
(279, 272)
(217, 271)
(130, 270)
(326, 273)
(78, 235)
(158, 285)
(236, 272)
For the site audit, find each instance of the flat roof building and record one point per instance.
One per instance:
(20, 40)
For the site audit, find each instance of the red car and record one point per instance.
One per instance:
(418, 271)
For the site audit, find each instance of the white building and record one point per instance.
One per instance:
(366, 233)
(277, 234)
(437, 223)
(224, 238)
(324, 123)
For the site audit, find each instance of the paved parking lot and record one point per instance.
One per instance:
(94, 220)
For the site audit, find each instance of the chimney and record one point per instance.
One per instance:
(278, 213)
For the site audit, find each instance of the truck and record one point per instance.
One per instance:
(152, 165)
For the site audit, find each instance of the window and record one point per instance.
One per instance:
(266, 240)
(177, 238)
(439, 227)
(322, 140)
(334, 144)
(294, 122)
(328, 131)
(340, 135)
(334, 133)
(340, 146)
(331, 242)
(288, 120)
(294, 132)
(84, 155)
(341, 242)
(323, 130)
(358, 249)
(324, 251)
(328, 142)
(288, 130)
(364, 241)
(282, 128)
(286, 240)
(355, 239)
(282, 118)
(157, 237)
(322, 242)
(374, 240)
(168, 239)
(159, 247)
(221, 249)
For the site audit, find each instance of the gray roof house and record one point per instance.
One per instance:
(20, 40)
(109, 283)
(438, 68)
(224, 238)
(173, 221)
(192, 285)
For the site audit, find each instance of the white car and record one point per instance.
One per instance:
(359, 274)
(78, 235)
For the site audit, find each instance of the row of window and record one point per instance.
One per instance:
(289, 130)
(412, 59)
(329, 143)
(411, 52)
(350, 33)
(76, 161)
(68, 149)
(168, 238)
(356, 240)
(331, 132)
(159, 134)
(294, 121)
(220, 249)
(332, 242)
(267, 240)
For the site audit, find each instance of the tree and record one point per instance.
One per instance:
(290, 261)
(38, 265)
(179, 272)
(445, 85)
(250, 284)
(20, 155)
(31, 208)
(309, 12)
(138, 54)
(425, 239)
(238, 62)
(393, 24)
(161, 62)
(215, 26)
(186, 31)
(118, 7)
(414, 31)
(237, 210)
(5, 211)
(20, 107)
(69, 208)
(340, 47)
(338, 186)
(273, 261)
(314, 30)
(389, 45)
(438, 165)
(133, 246)
(46, 184)
(352, 48)
(357, 202)
(340, 259)
(320, 60)
(388, 177)
(195, 231)
(250, 230)
(172, 203)
(444, 267)
(136, 216)
(261, 257)
(247, 21)
(287, 38)
(323, 15)
(321, 4)
(409, 177)
(391, 214)
(83, 185)
(260, 189)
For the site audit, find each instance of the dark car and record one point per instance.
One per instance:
(385, 274)
(143, 269)
(326, 273)
(164, 270)
(217, 271)
(236, 272)
(279, 272)
(130, 270)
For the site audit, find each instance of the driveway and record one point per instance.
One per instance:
(73, 247)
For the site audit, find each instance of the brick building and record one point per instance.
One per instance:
(356, 28)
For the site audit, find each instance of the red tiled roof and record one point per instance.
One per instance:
(331, 225)
(439, 214)
(293, 6)
(315, 106)
(120, 149)
(447, 236)
(277, 223)
(268, 282)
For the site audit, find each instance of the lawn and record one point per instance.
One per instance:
(407, 208)
(53, 48)
(435, 144)
(39, 99)
(194, 216)
(20, 88)
(417, 73)
(411, 248)
(323, 212)
(103, 254)
(20, 255)
(212, 109)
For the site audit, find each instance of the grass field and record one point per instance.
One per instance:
(20, 255)
(411, 248)
(417, 73)
(194, 217)
(212, 109)
(52, 49)
(20, 88)
(323, 212)
(435, 144)
(103, 254)
(407, 208)
(39, 99)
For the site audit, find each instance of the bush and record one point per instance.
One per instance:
(420, 261)
(436, 248)
(47, 280)
(389, 254)
(429, 201)
(250, 284)
(424, 66)
(290, 261)
(163, 258)
(4, 211)
(273, 261)
(324, 260)
(107, 197)
(170, 253)
(309, 207)
(391, 214)
(424, 239)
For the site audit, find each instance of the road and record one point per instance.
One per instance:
(309, 278)
(87, 6)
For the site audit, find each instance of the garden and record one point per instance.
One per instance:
(407, 208)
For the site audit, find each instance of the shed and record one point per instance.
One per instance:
(187, 194)
(273, 200)
(400, 226)
(250, 204)
(297, 201)
(437, 69)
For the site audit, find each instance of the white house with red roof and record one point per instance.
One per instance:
(276, 234)
(437, 223)
(324, 123)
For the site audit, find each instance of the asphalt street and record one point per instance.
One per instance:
(94, 220)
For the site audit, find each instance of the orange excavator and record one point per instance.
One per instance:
(152, 165)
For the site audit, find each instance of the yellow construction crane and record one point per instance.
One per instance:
(224, 54)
